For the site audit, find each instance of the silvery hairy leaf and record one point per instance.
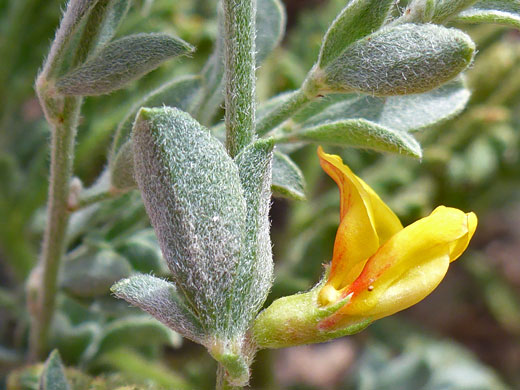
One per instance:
(446, 9)
(178, 93)
(160, 299)
(403, 113)
(363, 134)
(506, 12)
(288, 180)
(121, 62)
(110, 17)
(357, 20)
(404, 59)
(193, 195)
(53, 375)
(254, 271)
(98, 29)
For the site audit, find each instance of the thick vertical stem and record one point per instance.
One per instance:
(239, 38)
(53, 246)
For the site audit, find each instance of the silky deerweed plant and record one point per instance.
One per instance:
(383, 72)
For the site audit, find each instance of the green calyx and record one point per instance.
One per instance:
(296, 319)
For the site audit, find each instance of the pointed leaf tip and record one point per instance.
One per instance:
(53, 375)
(121, 62)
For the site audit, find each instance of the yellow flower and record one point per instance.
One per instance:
(380, 266)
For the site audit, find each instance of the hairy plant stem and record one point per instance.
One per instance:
(62, 113)
(63, 137)
(239, 60)
(222, 382)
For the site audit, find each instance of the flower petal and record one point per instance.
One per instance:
(366, 222)
(411, 264)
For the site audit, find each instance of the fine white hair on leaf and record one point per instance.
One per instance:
(160, 299)
(192, 193)
(121, 62)
(255, 269)
(400, 60)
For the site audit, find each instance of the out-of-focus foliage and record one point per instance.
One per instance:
(470, 162)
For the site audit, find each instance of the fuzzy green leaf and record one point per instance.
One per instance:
(121, 62)
(124, 331)
(143, 252)
(446, 9)
(254, 272)
(403, 113)
(270, 27)
(68, 34)
(100, 27)
(92, 275)
(363, 134)
(53, 375)
(114, 13)
(178, 92)
(506, 12)
(357, 20)
(160, 299)
(400, 60)
(193, 195)
(288, 180)
(122, 168)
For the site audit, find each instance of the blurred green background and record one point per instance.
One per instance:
(466, 335)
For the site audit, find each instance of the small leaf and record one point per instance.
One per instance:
(115, 12)
(399, 60)
(143, 252)
(506, 12)
(357, 20)
(160, 299)
(122, 169)
(446, 9)
(92, 275)
(132, 331)
(364, 134)
(53, 375)
(121, 62)
(100, 27)
(67, 36)
(270, 27)
(254, 272)
(178, 92)
(288, 180)
(403, 113)
(72, 340)
(192, 193)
